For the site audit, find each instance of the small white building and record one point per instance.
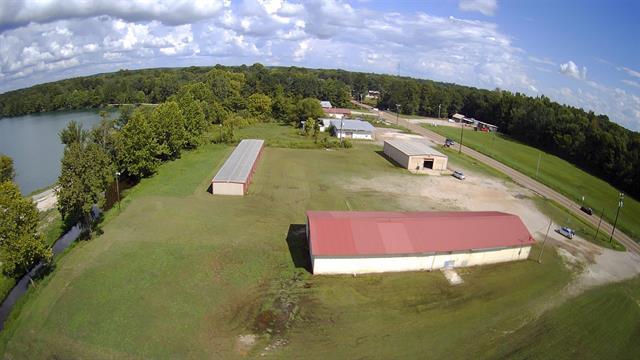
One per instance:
(352, 242)
(352, 129)
(325, 104)
(416, 156)
(325, 124)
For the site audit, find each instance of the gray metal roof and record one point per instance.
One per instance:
(239, 164)
(414, 147)
(325, 104)
(352, 125)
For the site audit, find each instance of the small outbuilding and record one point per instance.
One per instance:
(352, 129)
(325, 104)
(351, 242)
(236, 173)
(416, 156)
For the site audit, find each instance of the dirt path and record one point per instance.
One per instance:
(46, 200)
(519, 178)
(593, 265)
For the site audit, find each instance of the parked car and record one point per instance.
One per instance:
(449, 142)
(458, 175)
(566, 232)
(586, 210)
(451, 121)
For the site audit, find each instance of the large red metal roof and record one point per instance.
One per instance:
(348, 233)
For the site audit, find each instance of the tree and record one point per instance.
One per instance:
(167, 123)
(7, 172)
(73, 133)
(85, 173)
(195, 123)
(20, 244)
(259, 106)
(137, 146)
(125, 114)
(308, 108)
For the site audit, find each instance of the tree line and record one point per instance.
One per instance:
(590, 141)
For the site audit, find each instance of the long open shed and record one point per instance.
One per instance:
(351, 242)
(236, 173)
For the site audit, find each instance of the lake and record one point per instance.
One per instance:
(33, 143)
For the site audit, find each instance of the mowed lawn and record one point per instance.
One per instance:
(555, 173)
(179, 273)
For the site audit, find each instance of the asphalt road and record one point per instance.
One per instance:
(519, 178)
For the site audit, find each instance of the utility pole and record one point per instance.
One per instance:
(398, 106)
(544, 242)
(538, 167)
(461, 131)
(599, 222)
(118, 187)
(439, 105)
(615, 222)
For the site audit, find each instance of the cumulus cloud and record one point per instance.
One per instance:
(174, 12)
(572, 70)
(485, 7)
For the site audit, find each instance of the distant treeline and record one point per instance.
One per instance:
(591, 141)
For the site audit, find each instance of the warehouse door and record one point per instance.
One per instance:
(428, 164)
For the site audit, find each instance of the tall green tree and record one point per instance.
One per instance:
(169, 129)
(307, 108)
(20, 244)
(259, 106)
(137, 148)
(195, 123)
(73, 133)
(7, 172)
(85, 173)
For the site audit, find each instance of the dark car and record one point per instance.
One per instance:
(587, 210)
(449, 142)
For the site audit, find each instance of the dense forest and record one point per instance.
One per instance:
(591, 141)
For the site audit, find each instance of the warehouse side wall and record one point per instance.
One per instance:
(364, 265)
(416, 163)
(220, 188)
(396, 155)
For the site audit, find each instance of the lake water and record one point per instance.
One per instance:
(33, 143)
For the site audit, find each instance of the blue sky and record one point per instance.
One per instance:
(582, 53)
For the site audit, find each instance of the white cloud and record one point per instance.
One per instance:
(630, 72)
(572, 70)
(631, 83)
(543, 61)
(485, 7)
(175, 12)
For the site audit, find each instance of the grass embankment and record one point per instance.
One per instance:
(603, 323)
(181, 273)
(555, 173)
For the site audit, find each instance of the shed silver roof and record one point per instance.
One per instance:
(239, 164)
(325, 104)
(414, 147)
(353, 125)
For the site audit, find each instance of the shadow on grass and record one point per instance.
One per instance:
(390, 160)
(210, 189)
(298, 246)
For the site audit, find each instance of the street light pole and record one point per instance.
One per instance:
(538, 167)
(398, 106)
(439, 110)
(544, 241)
(118, 187)
(615, 222)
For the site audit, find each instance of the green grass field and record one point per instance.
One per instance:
(555, 173)
(179, 273)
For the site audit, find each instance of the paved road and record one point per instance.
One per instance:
(519, 178)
